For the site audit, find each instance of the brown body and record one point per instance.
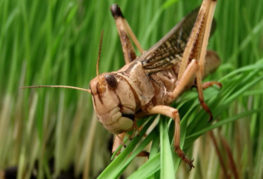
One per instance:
(149, 83)
(118, 96)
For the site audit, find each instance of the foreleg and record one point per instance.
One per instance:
(172, 113)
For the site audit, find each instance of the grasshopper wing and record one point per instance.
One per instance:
(168, 51)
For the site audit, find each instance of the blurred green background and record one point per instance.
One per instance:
(50, 132)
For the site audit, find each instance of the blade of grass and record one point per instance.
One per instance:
(148, 168)
(166, 156)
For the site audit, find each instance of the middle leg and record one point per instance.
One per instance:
(211, 83)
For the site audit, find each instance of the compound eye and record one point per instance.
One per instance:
(111, 80)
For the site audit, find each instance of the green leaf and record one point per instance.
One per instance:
(166, 157)
(148, 168)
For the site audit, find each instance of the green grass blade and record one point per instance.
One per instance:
(166, 156)
(148, 168)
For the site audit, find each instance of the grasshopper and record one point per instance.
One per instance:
(149, 83)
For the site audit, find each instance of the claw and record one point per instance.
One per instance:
(181, 154)
(191, 165)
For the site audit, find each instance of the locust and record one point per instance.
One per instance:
(147, 84)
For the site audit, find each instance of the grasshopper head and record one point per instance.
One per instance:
(113, 102)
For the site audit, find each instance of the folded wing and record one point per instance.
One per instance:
(168, 51)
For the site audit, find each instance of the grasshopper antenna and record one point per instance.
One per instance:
(99, 54)
(72, 87)
(57, 86)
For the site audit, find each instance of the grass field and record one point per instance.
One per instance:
(55, 130)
